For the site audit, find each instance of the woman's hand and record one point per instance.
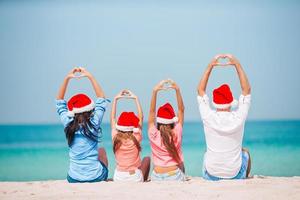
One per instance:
(63, 87)
(84, 73)
(71, 74)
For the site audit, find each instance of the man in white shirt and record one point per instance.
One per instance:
(224, 129)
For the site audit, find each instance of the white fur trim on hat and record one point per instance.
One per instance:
(166, 121)
(127, 128)
(136, 130)
(86, 108)
(70, 114)
(234, 103)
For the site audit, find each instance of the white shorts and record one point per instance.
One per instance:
(126, 176)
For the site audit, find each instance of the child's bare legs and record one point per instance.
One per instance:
(181, 167)
(145, 167)
(102, 156)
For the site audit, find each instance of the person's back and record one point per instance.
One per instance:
(126, 135)
(224, 130)
(128, 153)
(82, 118)
(165, 135)
(160, 153)
(83, 153)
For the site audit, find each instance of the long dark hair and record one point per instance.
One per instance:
(123, 135)
(166, 132)
(81, 121)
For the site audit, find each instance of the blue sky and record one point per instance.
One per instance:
(131, 44)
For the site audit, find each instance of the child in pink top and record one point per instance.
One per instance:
(127, 136)
(166, 136)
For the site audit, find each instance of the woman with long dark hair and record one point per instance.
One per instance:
(82, 118)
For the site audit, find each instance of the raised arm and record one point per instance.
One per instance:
(113, 119)
(63, 87)
(203, 82)
(245, 85)
(151, 118)
(179, 102)
(98, 90)
(139, 108)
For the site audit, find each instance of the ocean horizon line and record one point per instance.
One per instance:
(145, 122)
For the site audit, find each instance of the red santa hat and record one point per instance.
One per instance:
(222, 97)
(128, 121)
(166, 115)
(80, 103)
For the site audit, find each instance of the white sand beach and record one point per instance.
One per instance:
(256, 188)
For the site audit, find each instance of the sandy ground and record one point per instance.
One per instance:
(256, 188)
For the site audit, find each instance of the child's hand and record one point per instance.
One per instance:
(123, 94)
(119, 96)
(159, 86)
(232, 59)
(131, 95)
(215, 62)
(84, 73)
(173, 84)
(128, 94)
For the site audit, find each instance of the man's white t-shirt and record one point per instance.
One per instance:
(224, 136)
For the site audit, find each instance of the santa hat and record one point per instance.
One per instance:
(166, 115)
(222, 97)
(128, 121)
(80, 103)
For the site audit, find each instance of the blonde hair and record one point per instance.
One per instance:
(124, 135)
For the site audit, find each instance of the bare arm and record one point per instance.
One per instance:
(131, 95)
(63, 87)
(203, 82)
(245, 85)
(180, 103)
(98, 90)
(113, 113)
(140, 111)
(151, 118)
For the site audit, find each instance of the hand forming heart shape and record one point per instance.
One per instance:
(77, 73)
(167, 84)
(127, 94)
(223, 60)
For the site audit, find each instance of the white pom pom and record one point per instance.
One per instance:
(234, 103)
(175, 119)
(70, 114)
(136, 130)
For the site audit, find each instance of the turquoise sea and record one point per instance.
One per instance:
(40, 152)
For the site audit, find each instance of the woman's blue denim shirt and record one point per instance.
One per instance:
(83, 152)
